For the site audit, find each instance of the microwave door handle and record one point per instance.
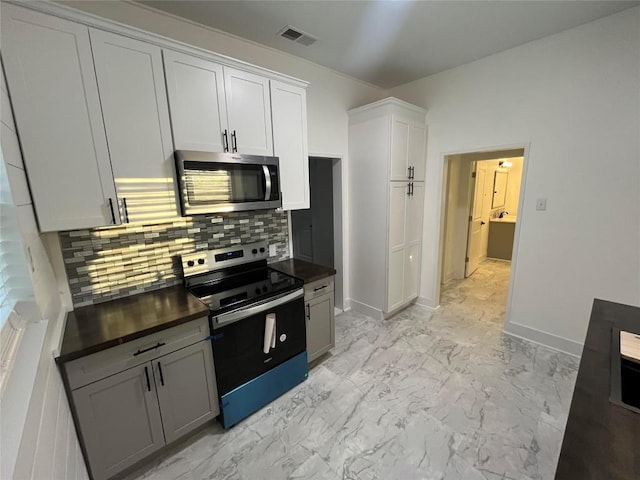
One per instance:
(243, 313)
(267, 183)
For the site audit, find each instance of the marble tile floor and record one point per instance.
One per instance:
(423, 395)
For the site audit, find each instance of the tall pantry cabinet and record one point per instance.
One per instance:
(387, 152)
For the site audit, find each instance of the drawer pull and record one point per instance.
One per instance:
(146, 372)
(160, 344)
(320, 288)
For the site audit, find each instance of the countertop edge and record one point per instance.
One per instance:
(66, 358)
(287, 266)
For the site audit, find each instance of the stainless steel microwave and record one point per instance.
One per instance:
(226, 182)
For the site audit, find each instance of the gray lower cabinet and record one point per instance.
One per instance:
(186, 385)
(128, 415)
(120, 420)
(319, 299)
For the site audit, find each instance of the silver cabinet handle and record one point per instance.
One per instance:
(243, 313)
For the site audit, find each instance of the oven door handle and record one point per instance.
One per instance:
(243, 313)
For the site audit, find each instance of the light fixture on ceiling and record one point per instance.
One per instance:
(296, 35)
(505, 164)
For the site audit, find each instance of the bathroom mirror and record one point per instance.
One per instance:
(499, 189)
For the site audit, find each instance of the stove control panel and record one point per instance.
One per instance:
(211, 260)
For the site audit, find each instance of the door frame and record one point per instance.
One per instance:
(522, 217)
(340, 226)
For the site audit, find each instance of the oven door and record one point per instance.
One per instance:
(223, 182)
(238, 339)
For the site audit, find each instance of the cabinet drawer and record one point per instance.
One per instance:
(94, 367)
(317, 288)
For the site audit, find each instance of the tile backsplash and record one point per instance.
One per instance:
(108, 263)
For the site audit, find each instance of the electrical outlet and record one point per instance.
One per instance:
(541, 204)
(272, 250)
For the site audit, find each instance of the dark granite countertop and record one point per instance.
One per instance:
(305, 271)
(602, 440)
(94, 328)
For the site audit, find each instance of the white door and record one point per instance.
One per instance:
(417, 151)
(476, 222)
(399, 149)
(289, 110)
(136, 117)
(415, 205)
(51, 77)
(197, 102)
(398, 195)
(249, 112)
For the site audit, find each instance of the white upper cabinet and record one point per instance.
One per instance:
(417, 154)
(136, 117)
(197, 103)
(289, 110)
(408, 140)
(249, 112)
(53, 87)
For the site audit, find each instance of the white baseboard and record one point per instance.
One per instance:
(545, 339)
(427, 303)
(365, 309)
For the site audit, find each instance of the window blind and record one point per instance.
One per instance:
(15, 283)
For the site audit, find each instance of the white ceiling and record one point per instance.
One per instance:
(386, 42)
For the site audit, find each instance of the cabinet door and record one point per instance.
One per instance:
(398, 198)
(136, 117)
(187, 393)
(53, 89)
(399, 149)
(411, 272)
(196, 99)
(119, 420)
(414, 213)
(417, 153)
(249, 112)
(320, 326)
(289, 110)
(413, 238)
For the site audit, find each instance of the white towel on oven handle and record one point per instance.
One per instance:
(269, 332)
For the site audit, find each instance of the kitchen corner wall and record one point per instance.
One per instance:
(104, 264)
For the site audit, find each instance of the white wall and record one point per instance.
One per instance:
(573, 98)
(36, 415)
(329, 95)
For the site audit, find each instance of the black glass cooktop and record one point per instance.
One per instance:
(231, 289)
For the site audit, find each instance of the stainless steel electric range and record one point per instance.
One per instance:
(257, 323)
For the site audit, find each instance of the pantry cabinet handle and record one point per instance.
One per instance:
(146, 372)
(409, 174)
(226, 140)
(160, 344)
(113, 214)
(161, 375)
(408, 189)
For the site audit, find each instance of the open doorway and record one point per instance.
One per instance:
(480, 216)
(316, 232)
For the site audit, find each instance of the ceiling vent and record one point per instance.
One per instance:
(297, 35)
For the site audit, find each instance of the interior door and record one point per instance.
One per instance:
(415, 205)
(302, 231)
(474, 239)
